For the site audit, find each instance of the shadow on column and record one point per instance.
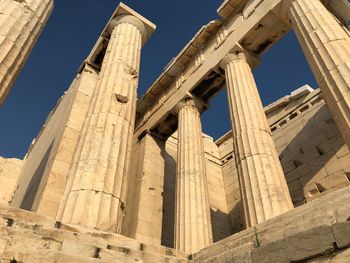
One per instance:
(33, 188)
(168, 221)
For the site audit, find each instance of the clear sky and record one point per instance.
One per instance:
(71, 33)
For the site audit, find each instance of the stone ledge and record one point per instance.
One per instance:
(316, 222)
(319, 228)
(29, 237)
(334, 257)
(301, 246)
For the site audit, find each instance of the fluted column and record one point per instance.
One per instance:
(21, 23)
(95, 193)
(263, 186)
(326, 45)
(193, 229)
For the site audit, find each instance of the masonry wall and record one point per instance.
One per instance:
(231, 183)
(144, 206)
(10, 171)
(313, 154)
(168, 223)
(217, 195)
(314, 157)
(40, 156)
(47, 163)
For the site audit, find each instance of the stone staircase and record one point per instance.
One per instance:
(28, 237)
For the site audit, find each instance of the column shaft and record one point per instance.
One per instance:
(96, 192)
(326, 45)
(192, 222)
(21, 23)
(264, 189)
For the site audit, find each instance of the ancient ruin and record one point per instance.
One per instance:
(111, 178)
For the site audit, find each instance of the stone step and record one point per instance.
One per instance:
(23, 240)
(51, 257)
(22, 232)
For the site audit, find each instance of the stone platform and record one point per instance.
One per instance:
(318, 231)
(28, 237)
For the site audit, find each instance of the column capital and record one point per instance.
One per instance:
(284, 10)
(125, 14)
(129, 19)
(239, 53)
(192, 102)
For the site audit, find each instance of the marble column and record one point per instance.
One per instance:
(193, 229)
(21, 23)
(264, 190)
(326, 45)
(95, 195)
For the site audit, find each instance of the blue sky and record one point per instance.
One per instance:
(71, 33)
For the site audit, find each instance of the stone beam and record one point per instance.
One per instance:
(208, 56)
(230, 7)
(341, 8)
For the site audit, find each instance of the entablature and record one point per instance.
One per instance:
(196, 69)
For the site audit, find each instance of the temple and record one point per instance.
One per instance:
(116, 178)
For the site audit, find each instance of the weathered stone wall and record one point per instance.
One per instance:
(231, 183)
(144, 207)
(10, 171)
(315, 159)
(313, 154)
(40, 155)
(217, 195)
(47, 163)
(168, 225)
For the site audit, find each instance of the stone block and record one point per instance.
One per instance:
(298, 196)
(343, 150)
(292, 176)
(341, 233)
(311, 190)
(76, 247)
(3, 244)
(314, 176)
(333, 180)
(297, 247)
(338, 164)
(320, 217)
(232, 256)
(54, 257)
(342, 213)
(294, 186)
(16, 215)
(333, 257)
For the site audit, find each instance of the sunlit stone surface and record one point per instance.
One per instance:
(112, 178)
